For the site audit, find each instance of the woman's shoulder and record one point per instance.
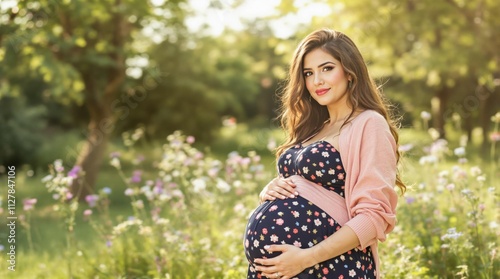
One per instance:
(371, 116)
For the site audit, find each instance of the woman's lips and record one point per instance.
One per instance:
(320, 92)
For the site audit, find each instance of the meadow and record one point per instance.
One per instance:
(177, 209)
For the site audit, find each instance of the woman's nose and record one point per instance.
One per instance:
(318, 80)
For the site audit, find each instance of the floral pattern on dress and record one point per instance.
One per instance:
(297, 221)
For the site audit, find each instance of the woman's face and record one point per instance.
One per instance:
(325, 78)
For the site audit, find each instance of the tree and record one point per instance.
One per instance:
(80, 49)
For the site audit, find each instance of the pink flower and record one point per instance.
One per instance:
(495, 136)
(92, 200)
(190, 139)
(279, 221)
(28, 204)
(87, 212)
(136, 176)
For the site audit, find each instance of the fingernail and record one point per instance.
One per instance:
(283, 197)
(292, 196)
(296, 193)
(266, 246)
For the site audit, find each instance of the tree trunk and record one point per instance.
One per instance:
(438, 110)
(490, 106)
(102, 87)
(90, 157)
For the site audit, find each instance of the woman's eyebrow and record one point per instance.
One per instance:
(321, 65)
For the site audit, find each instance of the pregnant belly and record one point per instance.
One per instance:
(294, 221)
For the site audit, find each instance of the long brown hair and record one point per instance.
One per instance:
(301, 116)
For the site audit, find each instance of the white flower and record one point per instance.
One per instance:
(475, 171)
(47, 178)
(199, 185)
(459, 151)
(115, 162)
(223, 185)
(425, 115)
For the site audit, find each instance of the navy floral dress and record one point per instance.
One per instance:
(299, 222)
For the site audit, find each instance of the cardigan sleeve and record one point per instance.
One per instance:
(371, 198)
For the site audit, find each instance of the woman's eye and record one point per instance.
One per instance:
(307, 74)
(327, 68)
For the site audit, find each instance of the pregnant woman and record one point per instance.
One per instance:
(334, 197)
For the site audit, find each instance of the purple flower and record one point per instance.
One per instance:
(136, 176)
(28, 204)
(74, 171)
(410, 200)
(92, 200)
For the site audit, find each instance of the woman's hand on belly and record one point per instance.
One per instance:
(292, 261)
(278, 188)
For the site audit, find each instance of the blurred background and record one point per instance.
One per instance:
(80, 80)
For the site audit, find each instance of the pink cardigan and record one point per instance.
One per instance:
(368, 153)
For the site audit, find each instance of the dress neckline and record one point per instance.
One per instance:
(315, 142)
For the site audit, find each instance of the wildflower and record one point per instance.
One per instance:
(47, 178)
(451, 233)
(425, 115)
(271, 145)
(433, 133)
(129, 192)
(450, 186)
(87, 212)
(58, 165)
(92, 200)
(74, 172)
(199, 185)
(405, 147)
(139, 204)
(430, 159)
(410, 200)
(146, 230)
(460, 151)
(190, 139)
(496, 118)
(136, 176)
(223, 185)
(106, 190)
(115, 162)
(475, 171)
(28, 204)
(482, 207)
(495, 137)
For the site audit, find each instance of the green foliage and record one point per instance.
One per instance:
(21, 128)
